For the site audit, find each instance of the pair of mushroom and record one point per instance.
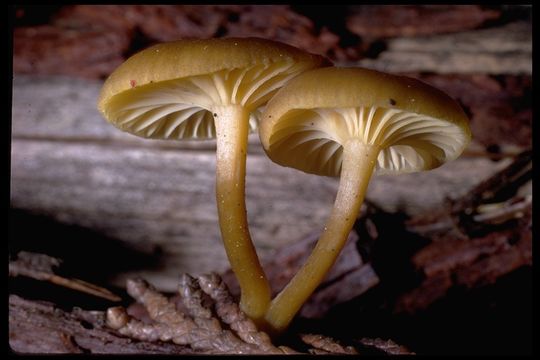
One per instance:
(347, 122)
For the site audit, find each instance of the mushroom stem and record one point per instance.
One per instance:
(232, 128)
(357, 167)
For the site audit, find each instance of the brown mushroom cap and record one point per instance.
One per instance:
(169, 90)
(417, 127)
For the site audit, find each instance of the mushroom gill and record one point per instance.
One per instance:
(408, 141)
(183, 108)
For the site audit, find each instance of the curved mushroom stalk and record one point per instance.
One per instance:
(383, 123)
(357, 167)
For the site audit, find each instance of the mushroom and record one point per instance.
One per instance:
(352, 122)
(199, 89)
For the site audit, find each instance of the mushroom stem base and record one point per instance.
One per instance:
(358, 163)
(232, 126)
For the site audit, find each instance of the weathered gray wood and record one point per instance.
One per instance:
(152, 197)
(69, 164)
(65, 108)
(502, 50)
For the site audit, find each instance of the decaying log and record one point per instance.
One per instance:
(451, 261)
(69, 164)
(468, 251)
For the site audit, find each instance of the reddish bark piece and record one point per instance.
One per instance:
(471, 253)
(500, 107)
(172, 22)
(156, 22)
(281, 23)
(383, 21)
(467, 263)
(115, 18)
(52, 50)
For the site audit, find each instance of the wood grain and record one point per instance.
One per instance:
(502, 50)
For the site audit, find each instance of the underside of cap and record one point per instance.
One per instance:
(312, 140)
(415, 126)
(169, 91)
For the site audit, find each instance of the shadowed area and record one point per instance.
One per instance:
(85, 253)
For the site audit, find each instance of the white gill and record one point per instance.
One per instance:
(184, 108)
(312, 140)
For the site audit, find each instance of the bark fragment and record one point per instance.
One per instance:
(383, 21)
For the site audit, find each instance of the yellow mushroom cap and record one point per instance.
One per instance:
(169, 91)
(416, 126)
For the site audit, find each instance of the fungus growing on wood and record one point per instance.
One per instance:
(198, 89)
(353, 122)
